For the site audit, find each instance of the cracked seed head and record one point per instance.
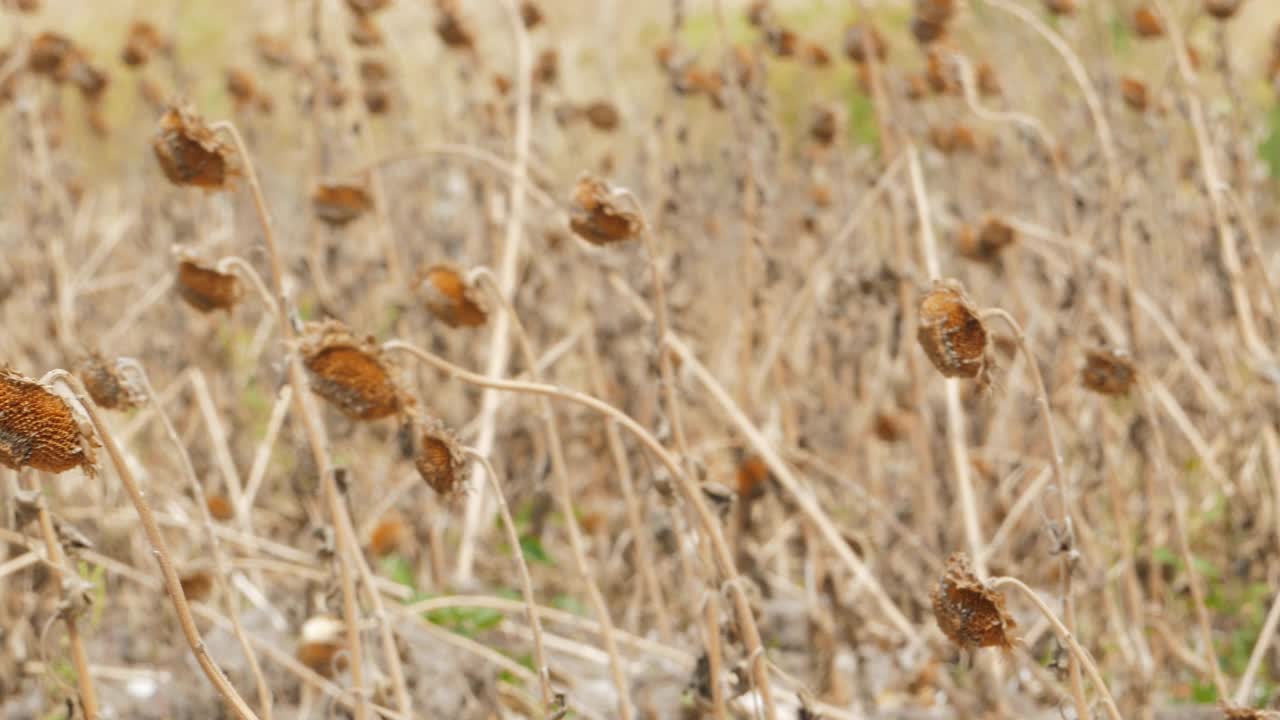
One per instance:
(39, 429)
(594, 214)
(107, 385)
(968, 612)
(349, 372)
(951, 332)
(206, 288)
(447, 296)
(1108, 373)
(439, 458)
(190, 153)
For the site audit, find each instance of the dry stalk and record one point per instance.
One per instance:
(500, 339)
(57, 562)
(635, 522)
(1213, 186)
(955, 412)
(222, 571)
(667, 380)
(708, 523)
(526, 583)
(173, 586)
(313, 427)
(564, 496)
(1079, 654)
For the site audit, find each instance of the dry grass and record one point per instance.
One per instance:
(534, 359)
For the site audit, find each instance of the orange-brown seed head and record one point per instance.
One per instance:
(951, 332)
(968, 612)
(595, 216)
(448, 297)
(189, 153)
(350, 373)
(205, 288)
(39, 430)
(1108, 373)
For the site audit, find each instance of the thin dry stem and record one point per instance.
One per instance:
(222, 572)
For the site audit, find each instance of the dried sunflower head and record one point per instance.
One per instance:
(952, 333)
(273, 50)
(445, 292)
(1146, 23)
(39, 429)
(968, 612)
(439, 458)
(189, 152)
(602, 115)
(107, 385)
(1222, 9)
(595, 216)
(142, 42)
(1108, 373)
(862, 41)
(389, 536)
(240, 86)
(48, 52)
(364, 7)
(1134, 92)
(206, 288)
(338, 204)
(321, 642)
(824, 125)
(986, 244)
(450, 28)
(530, 14)
(350, 372)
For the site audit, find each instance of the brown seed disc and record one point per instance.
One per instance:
(354, 380)
(968, 612)
(38, 429)
(337, 204)
(951, 333)
(189, 153)
(445, 294)
(596, 218)
(205, 288)
(1108, 373)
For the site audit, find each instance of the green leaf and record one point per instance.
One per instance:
(533, 551)
(569, 604)
(1269, 148)
(397, 567)
(1204, 692)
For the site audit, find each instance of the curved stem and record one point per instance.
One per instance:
(564, 496)
(1066, 542)
(667, 379)
(508, 267)
(1065, 636)
(311, 425)
(238, 263)
(689, 491)
(222, 571)
(75, 643)
(173, 586)
(526, 582)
